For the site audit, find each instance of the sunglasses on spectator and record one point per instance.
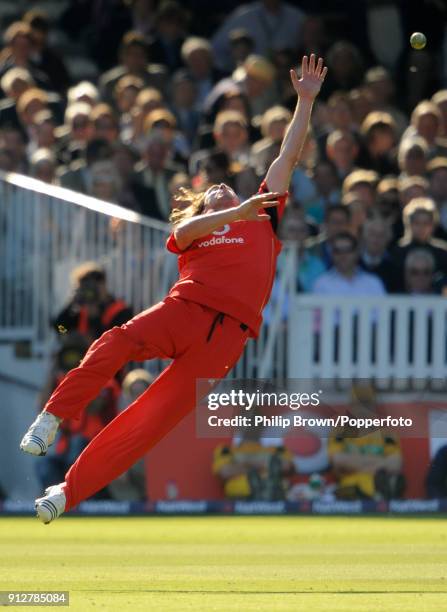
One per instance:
(420, 271)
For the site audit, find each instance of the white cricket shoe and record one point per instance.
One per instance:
(41, 434)
(51, 505)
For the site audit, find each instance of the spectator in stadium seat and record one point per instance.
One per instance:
(43, 56)
(13, 84)
(18, 53)
(183, 104)
(336, 219)
(366, 466)
(231, 136)
(440, 99)
(169, 35)
(358, 213)
(346, 277)
(133, 57)
(412, 157)
(419, 271)
(340, 117)
(375, 258)
(345, 64)
(381, 88)
(13, 141)
(294, 229)
(92, 309)
(131, 486)
(78, 122)
(379, 134)
(105, 123)
(327, 187)
(362, 184)
(361, 104)
(302, 188)
(84, 91)
(411, 188)
(28, 105)
(426, 121)
(342, 150)
(272, 24)
(133, 193)
(42, 132)
(420, 218)
(241, 46)
(147, 100)
(273, 126)
(77, 175)
(125, 95)
(155, 171)
(437, 172)
(198, 58)
(43, 165)
(252, 471)
(105, 182)
(163, 122)
(76, 132)
(255, 79)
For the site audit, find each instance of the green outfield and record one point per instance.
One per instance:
(231, 563)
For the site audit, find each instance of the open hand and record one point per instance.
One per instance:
(251, 209)
(312, 77)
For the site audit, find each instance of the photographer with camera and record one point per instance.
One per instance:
(92, 309)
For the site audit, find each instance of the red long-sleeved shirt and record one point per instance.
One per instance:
(232, 269)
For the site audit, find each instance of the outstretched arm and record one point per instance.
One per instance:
(251, 210)
(307, 88)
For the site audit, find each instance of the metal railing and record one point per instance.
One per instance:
(46, 231)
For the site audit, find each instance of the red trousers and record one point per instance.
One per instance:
(201, 343)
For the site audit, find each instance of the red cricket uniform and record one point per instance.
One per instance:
(202, 325)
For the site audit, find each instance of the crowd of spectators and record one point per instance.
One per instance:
(187, 96)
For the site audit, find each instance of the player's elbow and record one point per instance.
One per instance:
(182, 235)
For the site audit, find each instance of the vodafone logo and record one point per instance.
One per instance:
(224, 230)
(221, 240)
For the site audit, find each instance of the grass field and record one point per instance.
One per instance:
(231, 563)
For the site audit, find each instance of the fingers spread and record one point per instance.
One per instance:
(319, 66)
(304, 66)
(294, 77)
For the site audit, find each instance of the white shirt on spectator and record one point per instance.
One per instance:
(268, 30)
(361, 283)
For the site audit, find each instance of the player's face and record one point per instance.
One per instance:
(220, 197)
